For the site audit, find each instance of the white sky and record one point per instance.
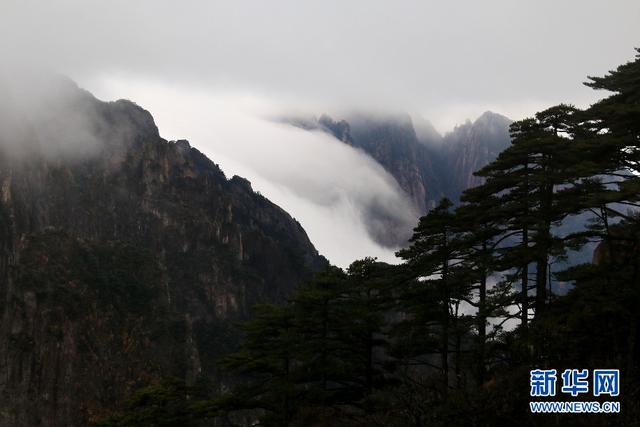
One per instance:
(209, 70)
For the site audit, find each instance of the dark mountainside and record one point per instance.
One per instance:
(392, 142)
(127, 266)
(426, 165)
(471, 146)
(468, 329)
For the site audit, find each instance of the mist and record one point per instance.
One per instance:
(215, 72)
(43, 114)
(340, 195)
(446, 61)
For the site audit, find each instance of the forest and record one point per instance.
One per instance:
(488, 289)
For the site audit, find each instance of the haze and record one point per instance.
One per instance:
(211, 71)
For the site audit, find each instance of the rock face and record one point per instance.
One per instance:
(426, 165)
(471, 146)
(126, 265)
(392, 142)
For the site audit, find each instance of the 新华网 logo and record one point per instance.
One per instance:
(575, 382)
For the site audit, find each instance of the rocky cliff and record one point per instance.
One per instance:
(471, 146)
(125, 263)
(426, 165)
(392, 141)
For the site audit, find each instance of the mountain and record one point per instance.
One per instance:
(425, 131)
(125, 263)
(426, 165)
(392, 141)
(471, 146)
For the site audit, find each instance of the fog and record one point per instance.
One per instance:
(213, 72)
(331, 188)
(447, 60)
(42, 113)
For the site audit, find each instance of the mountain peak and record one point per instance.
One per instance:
(491, 117)
(142, 245)
(425, 131)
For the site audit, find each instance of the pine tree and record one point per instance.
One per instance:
(321, 354)
(318, 309)
(619, 113)
(267, 360)
(341, 317)
(481, 237)
(368, 299)
(434, 291)
(523, 187)
(615, 123)
(505, 198)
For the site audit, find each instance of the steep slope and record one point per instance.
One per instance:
(126, 263)
(426, 165)
(392, 141)
(471, 146)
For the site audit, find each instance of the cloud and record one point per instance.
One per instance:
(418, 56)
(44, 114)
(340, 195)
(211, 71)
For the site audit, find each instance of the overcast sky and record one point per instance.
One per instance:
(444, 59)
(207, 69)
